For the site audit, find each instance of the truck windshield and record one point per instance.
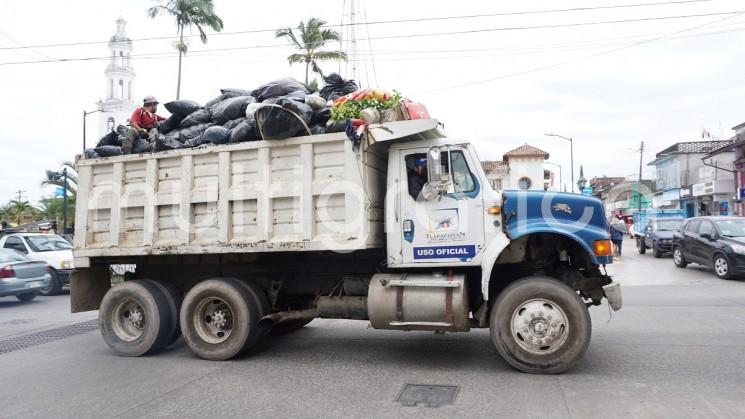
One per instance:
(47, 243)
(668, 225)
(731, 228)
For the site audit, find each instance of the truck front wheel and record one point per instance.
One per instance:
(219, 319)
(540, 326)
(640, 246)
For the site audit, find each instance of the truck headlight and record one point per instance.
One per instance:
(738, 248)
(66, 264)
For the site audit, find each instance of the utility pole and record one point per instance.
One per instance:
(639, 183)
(20, 194)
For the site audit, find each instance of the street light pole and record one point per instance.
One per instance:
(85, 114)
(64, 201)
(571, 153)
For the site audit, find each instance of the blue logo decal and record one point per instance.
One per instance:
(445, 252)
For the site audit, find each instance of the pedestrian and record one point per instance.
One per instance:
(143, 123)
(617, 229)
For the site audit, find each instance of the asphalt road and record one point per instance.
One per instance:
(676, 350)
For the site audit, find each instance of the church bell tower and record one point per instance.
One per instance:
(119, 103)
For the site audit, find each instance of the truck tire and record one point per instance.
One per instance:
(174, 298)
(656, 251)
(540, 325)
(134, 318)
(54, 287)
(261, 301)
(219, 319)
(289, 326)
(640, 246)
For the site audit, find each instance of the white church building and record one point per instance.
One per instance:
(119, 103)
(521, 168)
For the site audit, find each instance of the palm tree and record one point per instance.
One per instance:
(312, 37)
(21, 212)
(57, 178)
(198, 13)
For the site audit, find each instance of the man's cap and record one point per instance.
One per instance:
(420, 161)
(150, 99)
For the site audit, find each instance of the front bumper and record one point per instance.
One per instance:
(665, 246)
(64, 276)
(15, 286)
(612, 292)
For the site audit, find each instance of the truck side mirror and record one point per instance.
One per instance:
(434, 165)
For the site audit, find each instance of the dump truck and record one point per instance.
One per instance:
(399, 227)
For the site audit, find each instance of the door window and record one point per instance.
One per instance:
(706, 228)
(416, 172)
(462, 176)
(692, 227)
(16, 244)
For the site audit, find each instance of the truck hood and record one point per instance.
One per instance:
(663, 235)
(579, 217)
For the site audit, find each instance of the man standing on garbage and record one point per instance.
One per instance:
(143, 121)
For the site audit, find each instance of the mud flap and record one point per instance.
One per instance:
(87, 288)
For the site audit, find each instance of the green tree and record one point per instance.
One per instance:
(188, 13)
(310, 38)
(21, 212)
(53, 209)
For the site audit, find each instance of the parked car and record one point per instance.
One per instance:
(718, 242)
(49, 248)
(658, 236)
(21, 276)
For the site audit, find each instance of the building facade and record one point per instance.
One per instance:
(689, 179)
(737, 148)
(521, 168)
(118, 104)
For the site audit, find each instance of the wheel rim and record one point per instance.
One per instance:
(539, 326)
(677, 257)
(720, 266)
(129, 320)
(213, 320)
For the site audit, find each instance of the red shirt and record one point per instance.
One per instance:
(144, 119)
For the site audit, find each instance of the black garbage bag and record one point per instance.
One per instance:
(182, 108)
(245, 131)
(122, 129)
(109, 150)
(90, 153)
(230, 92)
(321, 116)
(230, 109)
(318, 129)
(141, 145)
(170, 124)
(337, 87)
(277, 124)
(297, 95)
(200, 116)
(216, 135)
(233, 123)
(112, 138)
(185, 134)
(277, 88)
(167, 142)
(338, 126)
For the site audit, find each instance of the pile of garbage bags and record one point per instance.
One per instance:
(277, 110)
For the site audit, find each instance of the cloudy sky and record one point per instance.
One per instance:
(609, 77)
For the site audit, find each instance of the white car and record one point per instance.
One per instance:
(49, 248)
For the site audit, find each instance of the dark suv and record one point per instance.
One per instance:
(658, 236)
(718, 242)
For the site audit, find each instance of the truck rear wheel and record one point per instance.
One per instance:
(134, 318)
(219, 319)
(540, 325)
(174, 298)
(640, 246)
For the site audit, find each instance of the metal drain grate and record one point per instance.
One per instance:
(427, 395)
(44, 336)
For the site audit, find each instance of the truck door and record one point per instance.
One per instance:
(446, 227)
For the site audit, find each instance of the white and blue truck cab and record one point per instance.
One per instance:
(399, 228)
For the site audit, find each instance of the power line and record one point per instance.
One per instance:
(736, 13)
(587, 57)
(380, 22)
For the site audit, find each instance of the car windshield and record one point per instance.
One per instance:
(668, 225)
(7, 255)
(731, 228)
(47, 243)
